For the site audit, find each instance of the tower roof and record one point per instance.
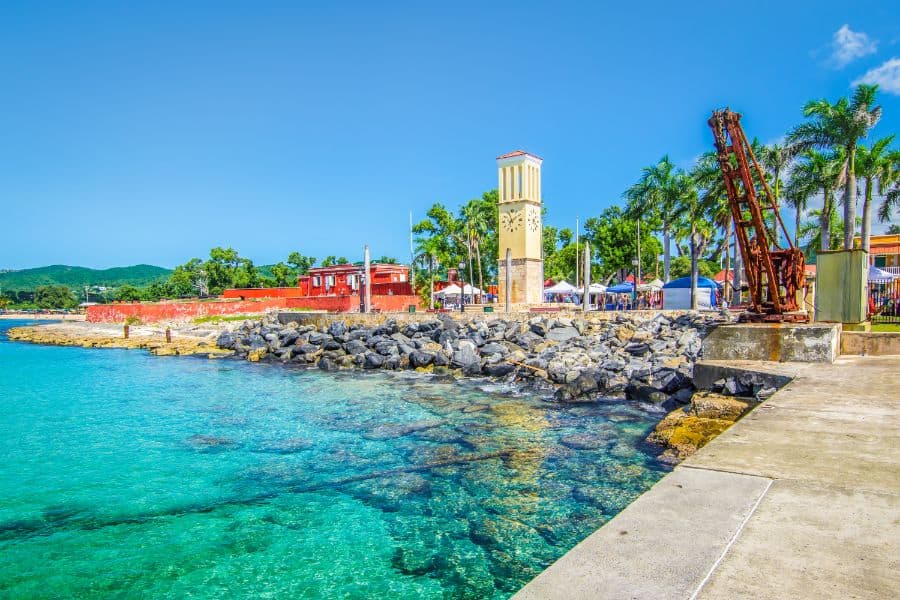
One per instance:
(515, 153)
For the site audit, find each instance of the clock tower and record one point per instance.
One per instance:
(520, 227)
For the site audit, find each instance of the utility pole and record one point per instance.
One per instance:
(412, 256)
(576, 252)
(366, 260)
(638, 279)
(586, 299)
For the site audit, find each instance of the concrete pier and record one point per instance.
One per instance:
(799, 499)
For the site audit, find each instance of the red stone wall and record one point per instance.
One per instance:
(242, 293)
(159, 311)
(150, 312)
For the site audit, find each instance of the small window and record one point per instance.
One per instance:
(402, 277)
(329, 280)
(317, 281)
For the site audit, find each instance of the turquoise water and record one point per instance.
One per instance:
(128, 475)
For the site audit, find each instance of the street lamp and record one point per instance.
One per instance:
(462, 291)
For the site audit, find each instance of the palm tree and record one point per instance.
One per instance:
(707, 175)
(480, 220)
(819, 238)
(660, 191)
(695, 213)
(891, 200)
(878, 163)
(777, 160)
(816, 173)
(840, 125)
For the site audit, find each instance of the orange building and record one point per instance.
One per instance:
(884, 251)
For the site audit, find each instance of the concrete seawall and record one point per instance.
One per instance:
(799, 499)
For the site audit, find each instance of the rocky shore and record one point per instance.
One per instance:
(646, 359)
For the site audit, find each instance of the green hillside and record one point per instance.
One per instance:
(77, 277)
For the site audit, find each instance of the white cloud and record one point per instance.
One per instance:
(848, 45)
(887, 76)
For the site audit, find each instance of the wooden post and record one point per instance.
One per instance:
(125, 330)
(168, 335)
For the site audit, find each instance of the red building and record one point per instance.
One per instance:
(347, 280)
(339, 288)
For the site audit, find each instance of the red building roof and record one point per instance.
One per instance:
(515, 153)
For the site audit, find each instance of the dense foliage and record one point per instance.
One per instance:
(78, 277)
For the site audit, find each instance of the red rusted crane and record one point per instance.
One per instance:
(774, 274)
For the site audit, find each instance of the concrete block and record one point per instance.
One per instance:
(778, 342)
(871, 343)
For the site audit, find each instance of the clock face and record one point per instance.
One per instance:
(511, 220)
(534, 220)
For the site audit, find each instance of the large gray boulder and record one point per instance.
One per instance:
(561, 334)
(465, 355)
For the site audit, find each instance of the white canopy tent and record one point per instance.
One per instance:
(563, 287)
(596, 288)
(454, 290)
(653, 286)
(877, 275)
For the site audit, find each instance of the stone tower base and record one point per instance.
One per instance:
(527, 282)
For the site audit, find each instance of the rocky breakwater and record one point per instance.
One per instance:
(584, 359)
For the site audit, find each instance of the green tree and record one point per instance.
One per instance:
(480, 217)
(894, 229)
(187, 280)
(283, 275)
(818, 238)
(613, 239)
(890, 200)
(777, 160)
(840, 126)
(660, 192)
(301, 264)
(54, 296)
(876, 165)
(814, 174)
(128, 293)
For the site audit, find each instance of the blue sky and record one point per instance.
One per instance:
(150, 133)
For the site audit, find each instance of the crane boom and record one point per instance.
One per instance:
(774, 274)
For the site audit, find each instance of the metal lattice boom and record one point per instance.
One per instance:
(774, 274)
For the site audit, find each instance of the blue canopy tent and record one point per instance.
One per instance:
(621, 288)
(677, 294)
(626, 287)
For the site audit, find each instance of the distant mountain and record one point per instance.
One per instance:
(78, 277)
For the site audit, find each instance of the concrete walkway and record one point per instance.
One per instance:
(799, 499)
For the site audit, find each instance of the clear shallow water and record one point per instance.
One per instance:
(124, 474)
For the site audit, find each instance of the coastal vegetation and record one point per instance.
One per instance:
(814, 169)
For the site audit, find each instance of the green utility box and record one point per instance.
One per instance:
(841, 286)
(412, 308)
(489, 309)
